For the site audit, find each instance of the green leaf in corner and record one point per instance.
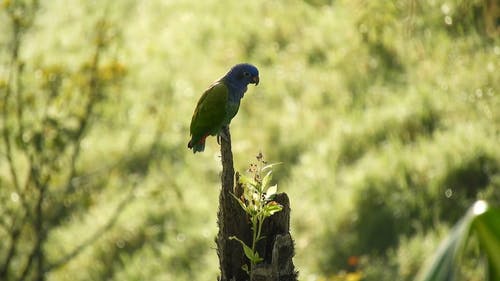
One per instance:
(480, 220)
(487, 228)
(443, 264)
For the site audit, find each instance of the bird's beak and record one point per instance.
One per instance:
(256, 80)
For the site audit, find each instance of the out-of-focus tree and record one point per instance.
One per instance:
(46, 113)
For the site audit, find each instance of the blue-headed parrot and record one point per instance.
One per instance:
(220, 103)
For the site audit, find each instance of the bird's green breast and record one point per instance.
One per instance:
(231, 110)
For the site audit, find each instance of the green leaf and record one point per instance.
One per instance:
(271, 208)
(487, 228)
(242, 204)
(244, 180)
(260, 238)
(257, 258)
(248, 193)
(253, 257)
(249, 253)
(478, 220)
(271, 192)
(266, 180)
(271, 165)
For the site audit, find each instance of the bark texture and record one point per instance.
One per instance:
(276, 248)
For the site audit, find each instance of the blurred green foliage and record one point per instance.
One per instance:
(385, 114)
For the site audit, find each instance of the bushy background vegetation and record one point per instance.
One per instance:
(385, 114)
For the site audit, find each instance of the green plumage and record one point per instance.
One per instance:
(220, 103)
(212, 112)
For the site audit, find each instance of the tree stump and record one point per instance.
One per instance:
(276, 248)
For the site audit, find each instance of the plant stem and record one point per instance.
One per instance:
(255, 222)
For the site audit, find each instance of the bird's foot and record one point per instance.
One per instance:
(223, 135)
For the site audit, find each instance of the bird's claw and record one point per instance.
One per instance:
(222, 135)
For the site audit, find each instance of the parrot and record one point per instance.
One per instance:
(219, 104)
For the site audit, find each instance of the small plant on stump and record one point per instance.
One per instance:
(257, 202)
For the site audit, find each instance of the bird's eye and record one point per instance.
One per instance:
(246, 74)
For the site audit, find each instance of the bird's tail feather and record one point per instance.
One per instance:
(197, 147)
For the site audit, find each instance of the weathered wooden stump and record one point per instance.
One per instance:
(276, 248)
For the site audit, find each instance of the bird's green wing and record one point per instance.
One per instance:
(210, 112)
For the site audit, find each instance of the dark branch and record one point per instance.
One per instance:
(37, 224)
(14, 237)
(231, 219)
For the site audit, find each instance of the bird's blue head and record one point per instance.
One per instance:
(244, 74)
(238, 78)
